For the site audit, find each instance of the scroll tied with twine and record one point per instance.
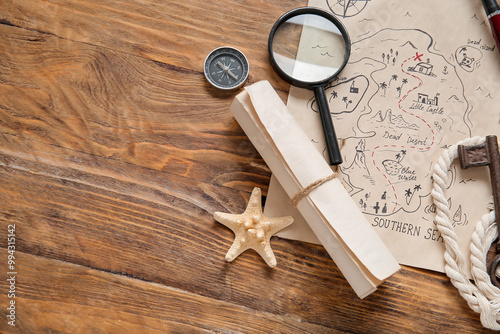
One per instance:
(319, 196)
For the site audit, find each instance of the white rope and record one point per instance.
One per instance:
(481, 295)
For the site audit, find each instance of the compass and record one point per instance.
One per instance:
(226, 68)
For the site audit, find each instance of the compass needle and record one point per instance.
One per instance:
(235, 77)
(226, 68)
(221, 65)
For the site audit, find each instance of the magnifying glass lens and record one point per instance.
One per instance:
(308, 47)
(322, 48)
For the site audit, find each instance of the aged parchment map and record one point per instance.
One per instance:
(422, 76)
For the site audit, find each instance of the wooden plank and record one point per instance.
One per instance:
(64, 98)
(114, 154)
(178, 33)
(166, 234)
(58, 297)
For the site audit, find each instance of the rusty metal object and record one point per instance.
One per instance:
(486, 154)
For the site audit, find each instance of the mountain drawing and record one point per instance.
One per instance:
(409, 43)
(397, 121)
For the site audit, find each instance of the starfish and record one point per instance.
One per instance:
(252, 229)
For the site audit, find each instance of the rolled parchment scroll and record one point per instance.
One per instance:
(333, 216)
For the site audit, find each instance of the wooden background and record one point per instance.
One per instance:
(114, 154)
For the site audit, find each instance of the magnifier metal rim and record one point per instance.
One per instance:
(302, 11)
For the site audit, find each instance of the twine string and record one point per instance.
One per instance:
(307, 190)
(316, 184)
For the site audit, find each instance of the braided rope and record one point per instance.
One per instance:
(481, 295)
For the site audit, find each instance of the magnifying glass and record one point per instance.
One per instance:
(308, 47)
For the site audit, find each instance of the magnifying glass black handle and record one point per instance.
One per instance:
(332, 145)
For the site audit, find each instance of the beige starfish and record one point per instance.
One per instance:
(252, 229)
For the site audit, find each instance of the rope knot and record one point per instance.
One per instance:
(307, 190)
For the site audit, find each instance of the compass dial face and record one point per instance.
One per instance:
(226, 68)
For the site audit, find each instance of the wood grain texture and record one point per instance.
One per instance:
(104, 103)
(114, 154)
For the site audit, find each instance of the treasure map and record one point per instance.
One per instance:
(422, 76)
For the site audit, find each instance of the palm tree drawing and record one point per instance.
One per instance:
(333, 95)
(409, 194)
(393, 77)
(344, 99)
(400, 156)
(383, 85)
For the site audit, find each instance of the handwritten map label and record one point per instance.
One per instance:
(407, 174)
(407, 228)
(416, 141)
(397, 226)
(435, 110)
(392, 135)
(472, 42)
(481, 46)
(433, 234)
(417, 106)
